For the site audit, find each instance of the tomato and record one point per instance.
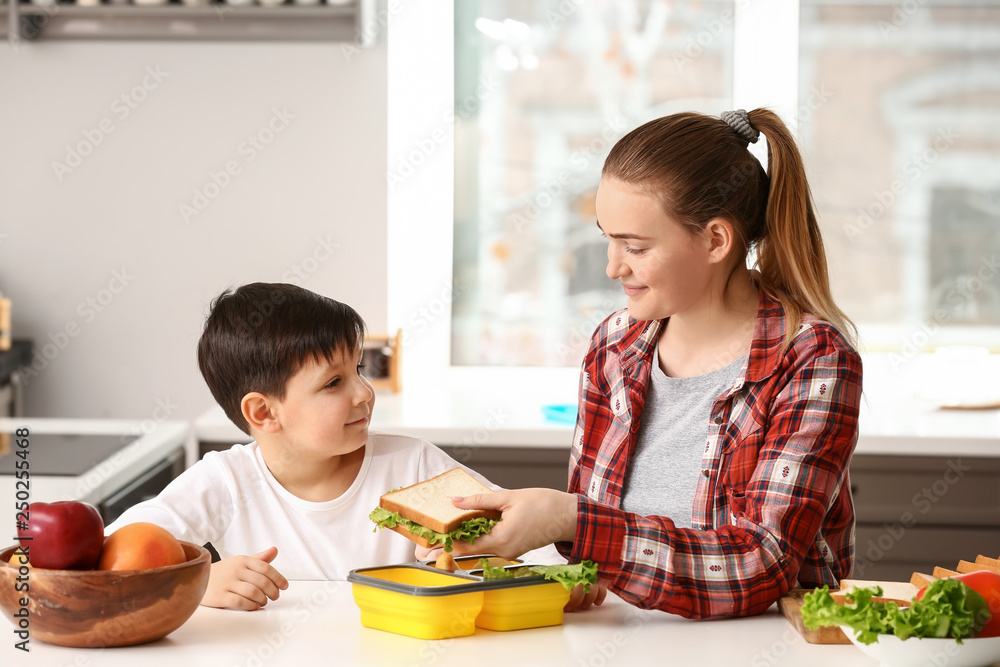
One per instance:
(987, 584)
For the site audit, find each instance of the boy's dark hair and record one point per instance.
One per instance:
(257, 336)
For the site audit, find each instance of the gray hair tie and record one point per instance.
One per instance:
(739, 120)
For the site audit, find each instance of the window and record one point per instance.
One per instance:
(894, 105)
(566, 81)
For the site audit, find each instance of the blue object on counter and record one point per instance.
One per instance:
(561, 414)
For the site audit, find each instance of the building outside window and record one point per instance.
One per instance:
(896, 118)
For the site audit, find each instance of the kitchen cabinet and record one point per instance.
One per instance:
(912, 512)
(917, 512)
(516, 467)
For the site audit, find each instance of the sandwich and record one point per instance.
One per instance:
(423, 512)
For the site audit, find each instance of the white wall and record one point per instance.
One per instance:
(321, 180)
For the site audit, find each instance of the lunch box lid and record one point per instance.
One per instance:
(464, 581)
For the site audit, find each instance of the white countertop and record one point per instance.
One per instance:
(156, 440)
(504, 407)
(317, 623)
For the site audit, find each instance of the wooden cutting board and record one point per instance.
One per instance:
(791, 606)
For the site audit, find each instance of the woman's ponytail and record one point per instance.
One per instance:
(700, 169)
(791, 259)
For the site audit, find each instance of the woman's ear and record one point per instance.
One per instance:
(720, 237)
(256, 409)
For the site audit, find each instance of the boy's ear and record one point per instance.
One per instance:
(256, 409)
(720, 237)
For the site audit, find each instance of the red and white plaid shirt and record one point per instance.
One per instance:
(772, 508)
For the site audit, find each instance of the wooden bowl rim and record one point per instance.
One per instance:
(202, 556)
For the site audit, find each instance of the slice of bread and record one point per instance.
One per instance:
(919, 579)
(943, 573)
(894, 590)
(429, 502)
(981, 563)
(990, 563)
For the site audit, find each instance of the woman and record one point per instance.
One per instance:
(719, 412)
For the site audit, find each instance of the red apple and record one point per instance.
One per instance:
(66, 535)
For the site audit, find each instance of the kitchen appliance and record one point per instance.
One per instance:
(111, 464)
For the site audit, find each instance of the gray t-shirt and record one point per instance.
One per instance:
(663, 473)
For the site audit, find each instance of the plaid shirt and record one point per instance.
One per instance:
(772, 508)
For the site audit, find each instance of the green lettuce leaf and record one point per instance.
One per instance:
(494, 572)
(570, 576)
(949, 608)
(468, 531)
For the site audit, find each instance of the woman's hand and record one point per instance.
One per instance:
(244, 582)
(423, 553)
(532, 518)
(580, 601)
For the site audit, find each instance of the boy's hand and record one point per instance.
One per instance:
(244, 582)
(580, 601)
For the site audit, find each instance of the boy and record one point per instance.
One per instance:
(284, 364)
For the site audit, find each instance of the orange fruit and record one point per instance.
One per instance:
(15, 558)
(140, 546)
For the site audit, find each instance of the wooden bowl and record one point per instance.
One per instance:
(96, 608)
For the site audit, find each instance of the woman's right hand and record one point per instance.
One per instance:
(532, 518)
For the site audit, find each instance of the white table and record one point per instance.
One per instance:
(317, 623)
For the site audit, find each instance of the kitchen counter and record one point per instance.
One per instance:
(315, 623)
(899, 415)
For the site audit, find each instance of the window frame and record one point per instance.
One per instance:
(421, 47)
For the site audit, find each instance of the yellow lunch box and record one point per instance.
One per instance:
(419, 600)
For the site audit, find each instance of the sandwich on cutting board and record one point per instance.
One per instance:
(423, 512)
